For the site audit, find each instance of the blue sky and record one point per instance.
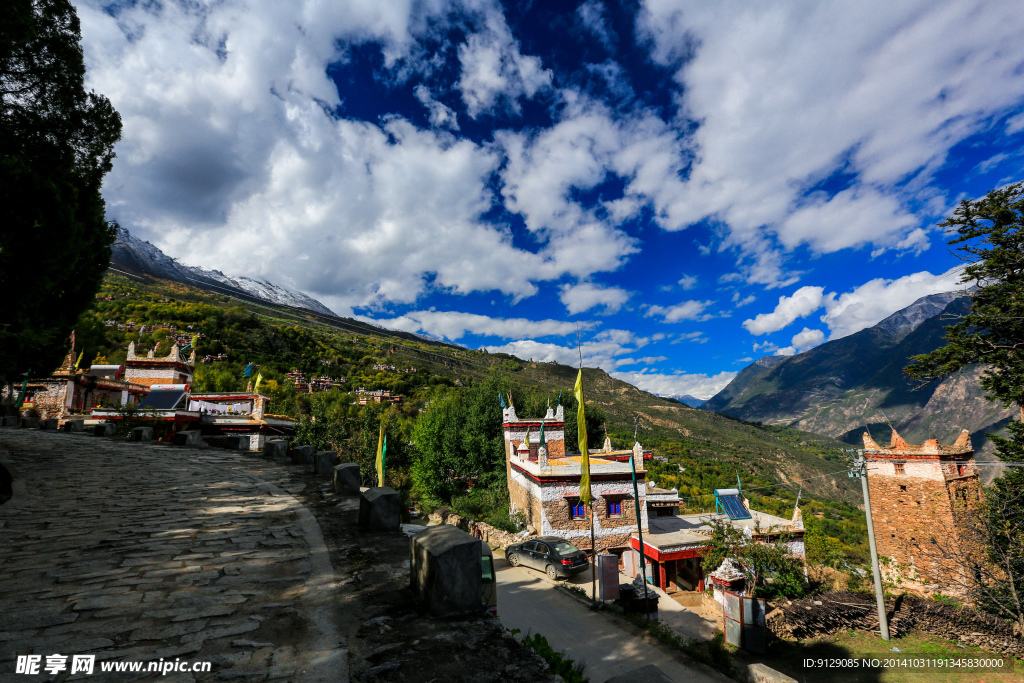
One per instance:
(695, 184)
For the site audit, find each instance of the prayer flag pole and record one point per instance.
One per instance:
(585, 494)
(639, 524)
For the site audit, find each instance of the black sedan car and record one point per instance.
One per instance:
(553, 555)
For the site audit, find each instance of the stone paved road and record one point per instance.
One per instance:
(140, 552)
(527, 600)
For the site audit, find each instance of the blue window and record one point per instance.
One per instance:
(579, 510)
(614, 508)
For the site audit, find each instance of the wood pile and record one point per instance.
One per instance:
(829, 613)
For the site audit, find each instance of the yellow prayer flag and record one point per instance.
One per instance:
(380, 456)
(581, 431)
(259, 378)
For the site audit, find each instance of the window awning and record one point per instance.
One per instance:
(617, 494)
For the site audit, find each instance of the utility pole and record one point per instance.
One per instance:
(861, 472)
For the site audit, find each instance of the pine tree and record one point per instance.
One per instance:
(990, 232)
(56, 144)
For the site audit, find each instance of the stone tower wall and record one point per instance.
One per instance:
(917, 503)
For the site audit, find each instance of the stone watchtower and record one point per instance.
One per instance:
(920, 499)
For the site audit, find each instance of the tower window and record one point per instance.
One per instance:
(614, 508)
(579, 510)
(900, 469)
(902, 487)
(960, 470)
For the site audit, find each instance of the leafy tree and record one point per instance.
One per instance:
(323, 428)
(56, 144)
(759, 561)
(989, 232)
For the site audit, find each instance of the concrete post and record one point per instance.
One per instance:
(883, 618)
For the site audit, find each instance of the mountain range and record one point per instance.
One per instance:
(137, 257)
(847, 385)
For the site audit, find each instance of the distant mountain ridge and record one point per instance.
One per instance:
(142, 258)
(686, 399)
(845, 386)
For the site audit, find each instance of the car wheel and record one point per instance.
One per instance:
(513, 560)
(552, 574)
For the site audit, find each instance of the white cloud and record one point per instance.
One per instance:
(592, 16)
(749, 299)
(234, 158)
(1015, 124)
(877, 299)
(688, 281)
(494, 72)
(441, 115)
(686, 310)
(697, 385)
(585, 296)
(804, 301)
(608, 349)
(766, 346)
(788, 94)
(803, 340)
(851, 311)
(454, 325)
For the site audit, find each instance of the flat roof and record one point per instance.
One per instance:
(682, 530)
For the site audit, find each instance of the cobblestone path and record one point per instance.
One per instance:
(138, 552)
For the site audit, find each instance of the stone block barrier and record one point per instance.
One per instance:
(49, 423)
(74, 426)
(276, 449)
(188, 439)
(30, 423)
(496, 538)
(347, 478)
(104, 429)
(10, 421)
(324, 462)
(380, 510)
(142, 434)
(302, 455)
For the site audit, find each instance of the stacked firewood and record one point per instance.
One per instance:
(829, 613)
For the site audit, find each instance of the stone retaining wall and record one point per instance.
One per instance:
(494, 537)
(830, 612)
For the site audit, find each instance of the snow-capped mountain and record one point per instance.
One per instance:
(686, 399)
(137, 257)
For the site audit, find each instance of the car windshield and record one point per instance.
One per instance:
(563, 548)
